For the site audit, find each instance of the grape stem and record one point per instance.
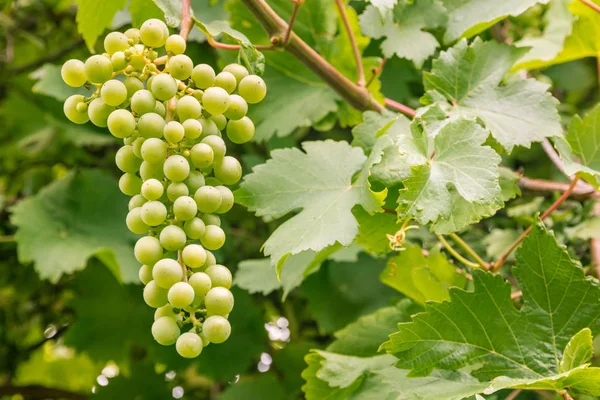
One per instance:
(400, 107)
(456, 254)
(465, 246)
(186, 19)
(376, 72)
(288, 31)
(591, 5)
(360, 72)
(180, 261)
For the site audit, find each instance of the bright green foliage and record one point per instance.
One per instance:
(579, 351)
(93, 17)
(266, 387)
(372, 230)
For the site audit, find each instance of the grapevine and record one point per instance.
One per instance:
(175, 169)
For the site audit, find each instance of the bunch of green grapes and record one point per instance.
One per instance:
(175, 169)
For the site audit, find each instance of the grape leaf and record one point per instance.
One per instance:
(384, 6)
(403, 29)
(142, 10)
(320, 183)
(374, 125)
(422, 278)
(265, 387)
(579, 351)
(72, 220)
(372, 230)
(491, 337)
(468, 76)
(172, 11)
(93, 17)
(470, 17)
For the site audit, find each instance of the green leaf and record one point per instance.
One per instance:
(374, 125)
(320, 183)
(488, 335)
(461, 161)
(142, 10)
(384, 6)
(49, 83)
(265, 387)
(372, 230)
(422, 278)
(71, 220)
(498, 241)
(468, 77)
(171, 10)
(404, 29)
(588, 229)
(470, 17)
(93, 17)
(579, 351)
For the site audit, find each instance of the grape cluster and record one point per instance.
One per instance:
(175, 169)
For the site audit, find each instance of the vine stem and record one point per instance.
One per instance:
(400, 107)
(591, 5)
(288, 31)
(498, 264)
(465, 246)
(565, 395)
(360, 72)
(456, 254)
(180, 261)
(186, 19)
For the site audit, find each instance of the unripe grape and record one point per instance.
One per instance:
(202, 155)
(228, 170)
(203, 76)
(134, 222)
(227, 199)
(152, 33)
(239, 71)
(98, 69)
(218, 301)
(148, 250)
(208, 199)
(136, 201)
(165, 331)
(133, 34)
(185, 208)
(226, 80)
(154, 295)
(73, 73)
(70, 109)
(189, 345)
(220, 121)
(177, 189)
(173, 132)
(195, 181)
(241, 130)
(211, 219)
(209, 127)
(154, 151)
(215, 100)
(210, 259)
(113, 92)
(82, 107)
(167, 272)
(201, 284)
(213, 238)
(152, 189)
(127, 161)
(180, 66)
(172, 238)
(216, 329)
(99, 111)
(164, 87)
(151, 125)
(238, 107)
(176, 168)
(142, 102)
(133, 85)
(160, 109)
(121, 123)
(154, 213)
(220, 276)
(118, 61)
(145, 274)
(181, 295)
(115, 41)
(175, 44)
(192, 128)
(130, 184)
(188, 108)
(194, 228)
(166, 311)
(151, 171)
(253, 89)
(194, 255)
(217, 144)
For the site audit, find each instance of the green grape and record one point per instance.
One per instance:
(133, 85)
(137, 147)
(121, 123)
(151, 171)
(154, 295)
(201, 284)
(98, 112)
(127, 161)
(180, 66)
(192, 128)
(152, 189)
(174, 132)
(208, 199)
(226, 80)
(195, 181)
(167, 311)
(211, 219)
(209, 127)
(98, 69)
(147, 250)
(115, 41)
(167, 272)
(210, 259)
(145, 274)
(241, 130)
(175, 44)
(239, 71)
(217, 144)
(142, 102)
(194, 255)
(194, 228)
(165, 331)
(227, 199)
(228, 170)
(181, 295)
(188, 108)
(202, 155)
(203, 76)
(218, 301)
(172, 238)
(154, 213)
(185, 208)
(152, 33)
(118, 61)
(160, 109)
(220, 121)
(164, 87)
(215, 100)
(177, 189)
(220, 276)
(136, 201)
(82, 107)
(216, 329)
(130, 184)
(189, 345)
(151, 125)
(176, 168)
(213, 238)
(71, 112)
(73, 73)
(134, 222)
(198, 94)
(113, 92)
(253, 89)
(238, 107)
(133, 34)
(154, 151)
